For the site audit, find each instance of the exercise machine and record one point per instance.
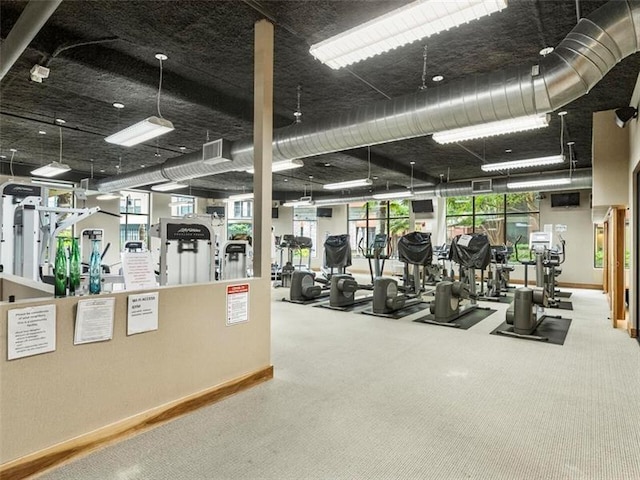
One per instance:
(187, 250)
(304, 283)
(378, 251)
(498, 274)
(471, 252)
(548, 261)
(389, 299)
(525, 314)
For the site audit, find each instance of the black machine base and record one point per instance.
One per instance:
(550, 329)
(357, 303)
(411, 307)
(464, 320)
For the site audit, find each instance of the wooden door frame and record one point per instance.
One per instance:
(615, 263)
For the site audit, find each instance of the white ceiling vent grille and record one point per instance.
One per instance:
(215, 152)
(481, 186)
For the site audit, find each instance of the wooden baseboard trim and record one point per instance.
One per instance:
(56, 455)
(633, 333)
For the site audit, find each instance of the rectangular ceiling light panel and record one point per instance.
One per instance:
(527, 162)
(282, 166)
(147, 129)
(404, 25)
(501, 127)
(551, 182)
(393, 195)
(51, 170)
(168, 187)
(362, 182)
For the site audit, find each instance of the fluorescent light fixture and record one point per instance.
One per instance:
(52, 183)
(147, 129)
(550, 182)
(298, 203)
(241, 196)
(404, 25)
(282, 166)
(393, 195)
(527, 162)
(500, 127)
(362, 182)
(51, 170)
(168, 186)
(108, 196)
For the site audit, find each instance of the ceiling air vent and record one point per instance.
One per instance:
(481, 186)
(215, 152)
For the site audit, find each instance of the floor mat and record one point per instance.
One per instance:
(358, 304)
(324, 298)
(563, 294)
(552, 328)
(504, 299)
(562, 305)
(465, 322)
(403, 312)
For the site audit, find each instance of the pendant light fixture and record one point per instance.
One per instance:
(54, 168)
(148, 128)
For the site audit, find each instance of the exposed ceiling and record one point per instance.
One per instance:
(208, 83)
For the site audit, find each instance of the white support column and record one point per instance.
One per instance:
(262, 148)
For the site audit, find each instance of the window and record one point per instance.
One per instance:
(240, 223)
(305, 224)
(598, 246)
(505, 219)
(134, 217)
(182, 205)
(366, 219)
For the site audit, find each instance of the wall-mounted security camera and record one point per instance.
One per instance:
(624, 114)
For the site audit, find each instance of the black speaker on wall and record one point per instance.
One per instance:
(274, 212)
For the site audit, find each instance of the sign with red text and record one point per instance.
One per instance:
(237, 303)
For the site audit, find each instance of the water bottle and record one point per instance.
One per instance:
(60, 270)
(94, 267)
(74, 267)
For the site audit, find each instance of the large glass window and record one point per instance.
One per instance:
(598, 246)
(182, 205)
(134, 217)
(240, 221)
(366, 219)
(305, 224)
(505, 219)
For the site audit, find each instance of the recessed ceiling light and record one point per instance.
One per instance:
(327, 164)
(508, 150)
(438, 78)
(142, 165)
(60, 121)
(183, 148)
(286, 179)
(374, 177)
(102, 170)
(157, 154)
(546, 51)
(562, 113)
(118, 105)
(161, 56)
(42, 132)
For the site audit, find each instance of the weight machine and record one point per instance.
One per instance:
(29, 229)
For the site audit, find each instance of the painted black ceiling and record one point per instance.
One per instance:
(208, 83)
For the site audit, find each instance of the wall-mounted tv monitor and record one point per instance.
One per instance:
(565, 199)
(217, 210)
(422, 206)
(324, 212)
(274, 212)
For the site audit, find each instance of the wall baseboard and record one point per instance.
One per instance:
(63, 452)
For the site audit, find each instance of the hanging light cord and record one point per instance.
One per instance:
(60, 128)
(411, 188)
(159, 88)
(298, 112)
(369, 162)
(11, 162)
(562, 135)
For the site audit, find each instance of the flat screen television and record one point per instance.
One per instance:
(565, 199)
(324, 212)
(422, 206)
(274, 212)
(213, 209)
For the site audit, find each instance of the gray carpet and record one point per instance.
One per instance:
(392, 399)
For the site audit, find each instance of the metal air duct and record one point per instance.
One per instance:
(589, 51)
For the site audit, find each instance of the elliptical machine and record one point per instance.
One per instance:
(304, 288)
(378, 251)
(522, 314)
(415, 251)
(470, 251)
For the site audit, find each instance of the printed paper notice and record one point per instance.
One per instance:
(31, 331)
(94, 320)
(464, 240)
(137, 269)
(142, 313)
(237, 303)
